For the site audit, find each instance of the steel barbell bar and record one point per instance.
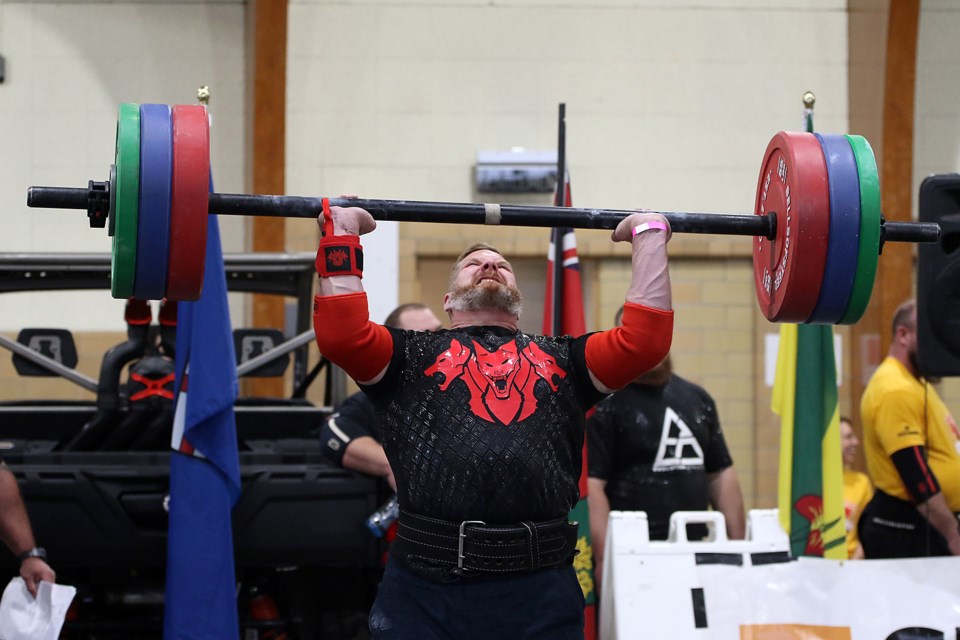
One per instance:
(817, 223)
(232, 204)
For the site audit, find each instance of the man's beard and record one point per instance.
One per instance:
(485, 296)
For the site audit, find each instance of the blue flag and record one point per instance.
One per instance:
(201, 600)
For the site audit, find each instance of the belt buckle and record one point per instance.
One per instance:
(461, 537)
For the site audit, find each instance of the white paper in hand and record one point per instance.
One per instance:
(23, 617)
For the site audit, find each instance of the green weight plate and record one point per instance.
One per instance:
(869, 250)
(123, 263)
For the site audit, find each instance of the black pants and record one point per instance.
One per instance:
(541, 605)
(893, 528)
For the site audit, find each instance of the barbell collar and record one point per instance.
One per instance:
(59, 197)
(922, 232)
(472, 213)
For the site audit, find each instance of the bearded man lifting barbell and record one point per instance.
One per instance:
(483, 425)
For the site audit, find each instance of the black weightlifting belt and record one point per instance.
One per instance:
(472, 547)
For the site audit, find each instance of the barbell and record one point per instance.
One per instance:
(817, 223)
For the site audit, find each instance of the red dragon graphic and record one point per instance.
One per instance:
(501, 381)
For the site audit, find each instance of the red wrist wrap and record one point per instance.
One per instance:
(340, 256)
(327, 217)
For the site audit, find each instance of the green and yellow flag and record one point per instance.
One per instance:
(811, 465)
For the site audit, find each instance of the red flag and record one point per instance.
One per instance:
(563, 315)
(563, 307)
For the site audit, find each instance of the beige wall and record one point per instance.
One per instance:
(937, 134)
(68, 66)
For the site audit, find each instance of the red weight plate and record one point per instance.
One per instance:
(188, 202)
(788, 270)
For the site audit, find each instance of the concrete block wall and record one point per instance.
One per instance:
(715, 324)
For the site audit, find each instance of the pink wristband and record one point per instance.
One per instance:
(646, 226)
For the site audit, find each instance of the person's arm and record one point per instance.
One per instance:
(364, 454)
(348, 439)
(901, 428)
(922, 486)
(727, 498)
(938, 513)
(865, 496)
(723, 486)
(617, 356)
(341, 319)
(599, 507)
(16, 533)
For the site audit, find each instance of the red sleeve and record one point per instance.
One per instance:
(643, 339)
(346, 336)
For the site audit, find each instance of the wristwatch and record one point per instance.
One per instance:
(36, 552)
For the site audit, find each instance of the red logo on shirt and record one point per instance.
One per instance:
(500, 381)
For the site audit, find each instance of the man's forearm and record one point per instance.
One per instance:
(727, 498)
(15, 530)
(650, 279)
(599, 508)
(936, 511)
(340, 285)
(364, 454)
(339, 257)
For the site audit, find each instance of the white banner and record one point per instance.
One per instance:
(815, 599)
(743, 590)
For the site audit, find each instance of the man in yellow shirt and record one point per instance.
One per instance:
(912, 447)
(857, 488)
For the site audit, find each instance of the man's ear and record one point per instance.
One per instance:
(446, 303)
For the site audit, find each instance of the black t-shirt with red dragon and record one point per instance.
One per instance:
(485, 423)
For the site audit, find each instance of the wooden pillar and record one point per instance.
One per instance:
(267, 31)
(896, 172)
(870, 337)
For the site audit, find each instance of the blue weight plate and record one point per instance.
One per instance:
(842, 252)
(153, 234)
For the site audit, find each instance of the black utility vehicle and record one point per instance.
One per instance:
(95, 473)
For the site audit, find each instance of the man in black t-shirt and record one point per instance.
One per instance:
(656, 446)
(483, 426)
